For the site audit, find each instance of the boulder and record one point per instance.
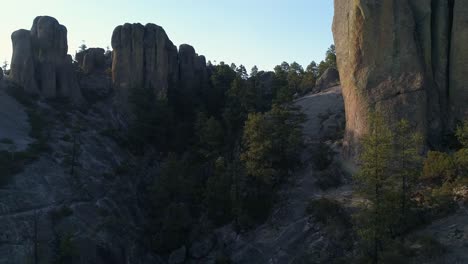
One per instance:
(329, 78)
(40, 63)
(402, 59)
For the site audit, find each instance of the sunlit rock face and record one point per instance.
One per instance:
(405, 59)
(40, 63)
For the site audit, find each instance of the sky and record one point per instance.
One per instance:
(249, 32)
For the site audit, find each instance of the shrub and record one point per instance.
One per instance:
(336, 220)
(442, 201)
(439, 166)
(461, 161)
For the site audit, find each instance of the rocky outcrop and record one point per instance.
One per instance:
(94, 77)
(22, 63)
(143, 57)
(40, 62)
(329, 78)
(404, 59)
(193, 74)
(92, 60)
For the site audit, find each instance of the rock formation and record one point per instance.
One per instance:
(92, 60)
(95, 76)
(40, 62)
(143, 57)
(329, 78)
(192, 68)
(405, 59)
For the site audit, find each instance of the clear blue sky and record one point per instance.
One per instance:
(249, 32)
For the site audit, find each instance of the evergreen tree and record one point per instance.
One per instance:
(295, 75)
(210, 136)
(258, 153)
(330, 57)
(374, 184)
(242, 72)
(254, 71)
(406, 168)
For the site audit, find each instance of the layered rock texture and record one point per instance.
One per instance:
(40, 62)
(405, 59)
(144, 57)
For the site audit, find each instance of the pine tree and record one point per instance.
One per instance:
(373, 184)
(407, 165)
(258, 145)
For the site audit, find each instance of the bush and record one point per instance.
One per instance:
(442, 201)
(336, 220)
(439, 166)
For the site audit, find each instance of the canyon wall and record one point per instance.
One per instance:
(405, 60)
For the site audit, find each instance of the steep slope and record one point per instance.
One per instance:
(76, 191)
(13, 122)
(291, 235)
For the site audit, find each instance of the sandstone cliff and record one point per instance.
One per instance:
(406, 59)
(40, 62)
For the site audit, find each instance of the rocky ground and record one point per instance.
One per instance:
(14, 125)
(50, 203)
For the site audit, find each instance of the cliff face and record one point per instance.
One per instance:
(40, 62)
(144, 57)
(406, 59)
